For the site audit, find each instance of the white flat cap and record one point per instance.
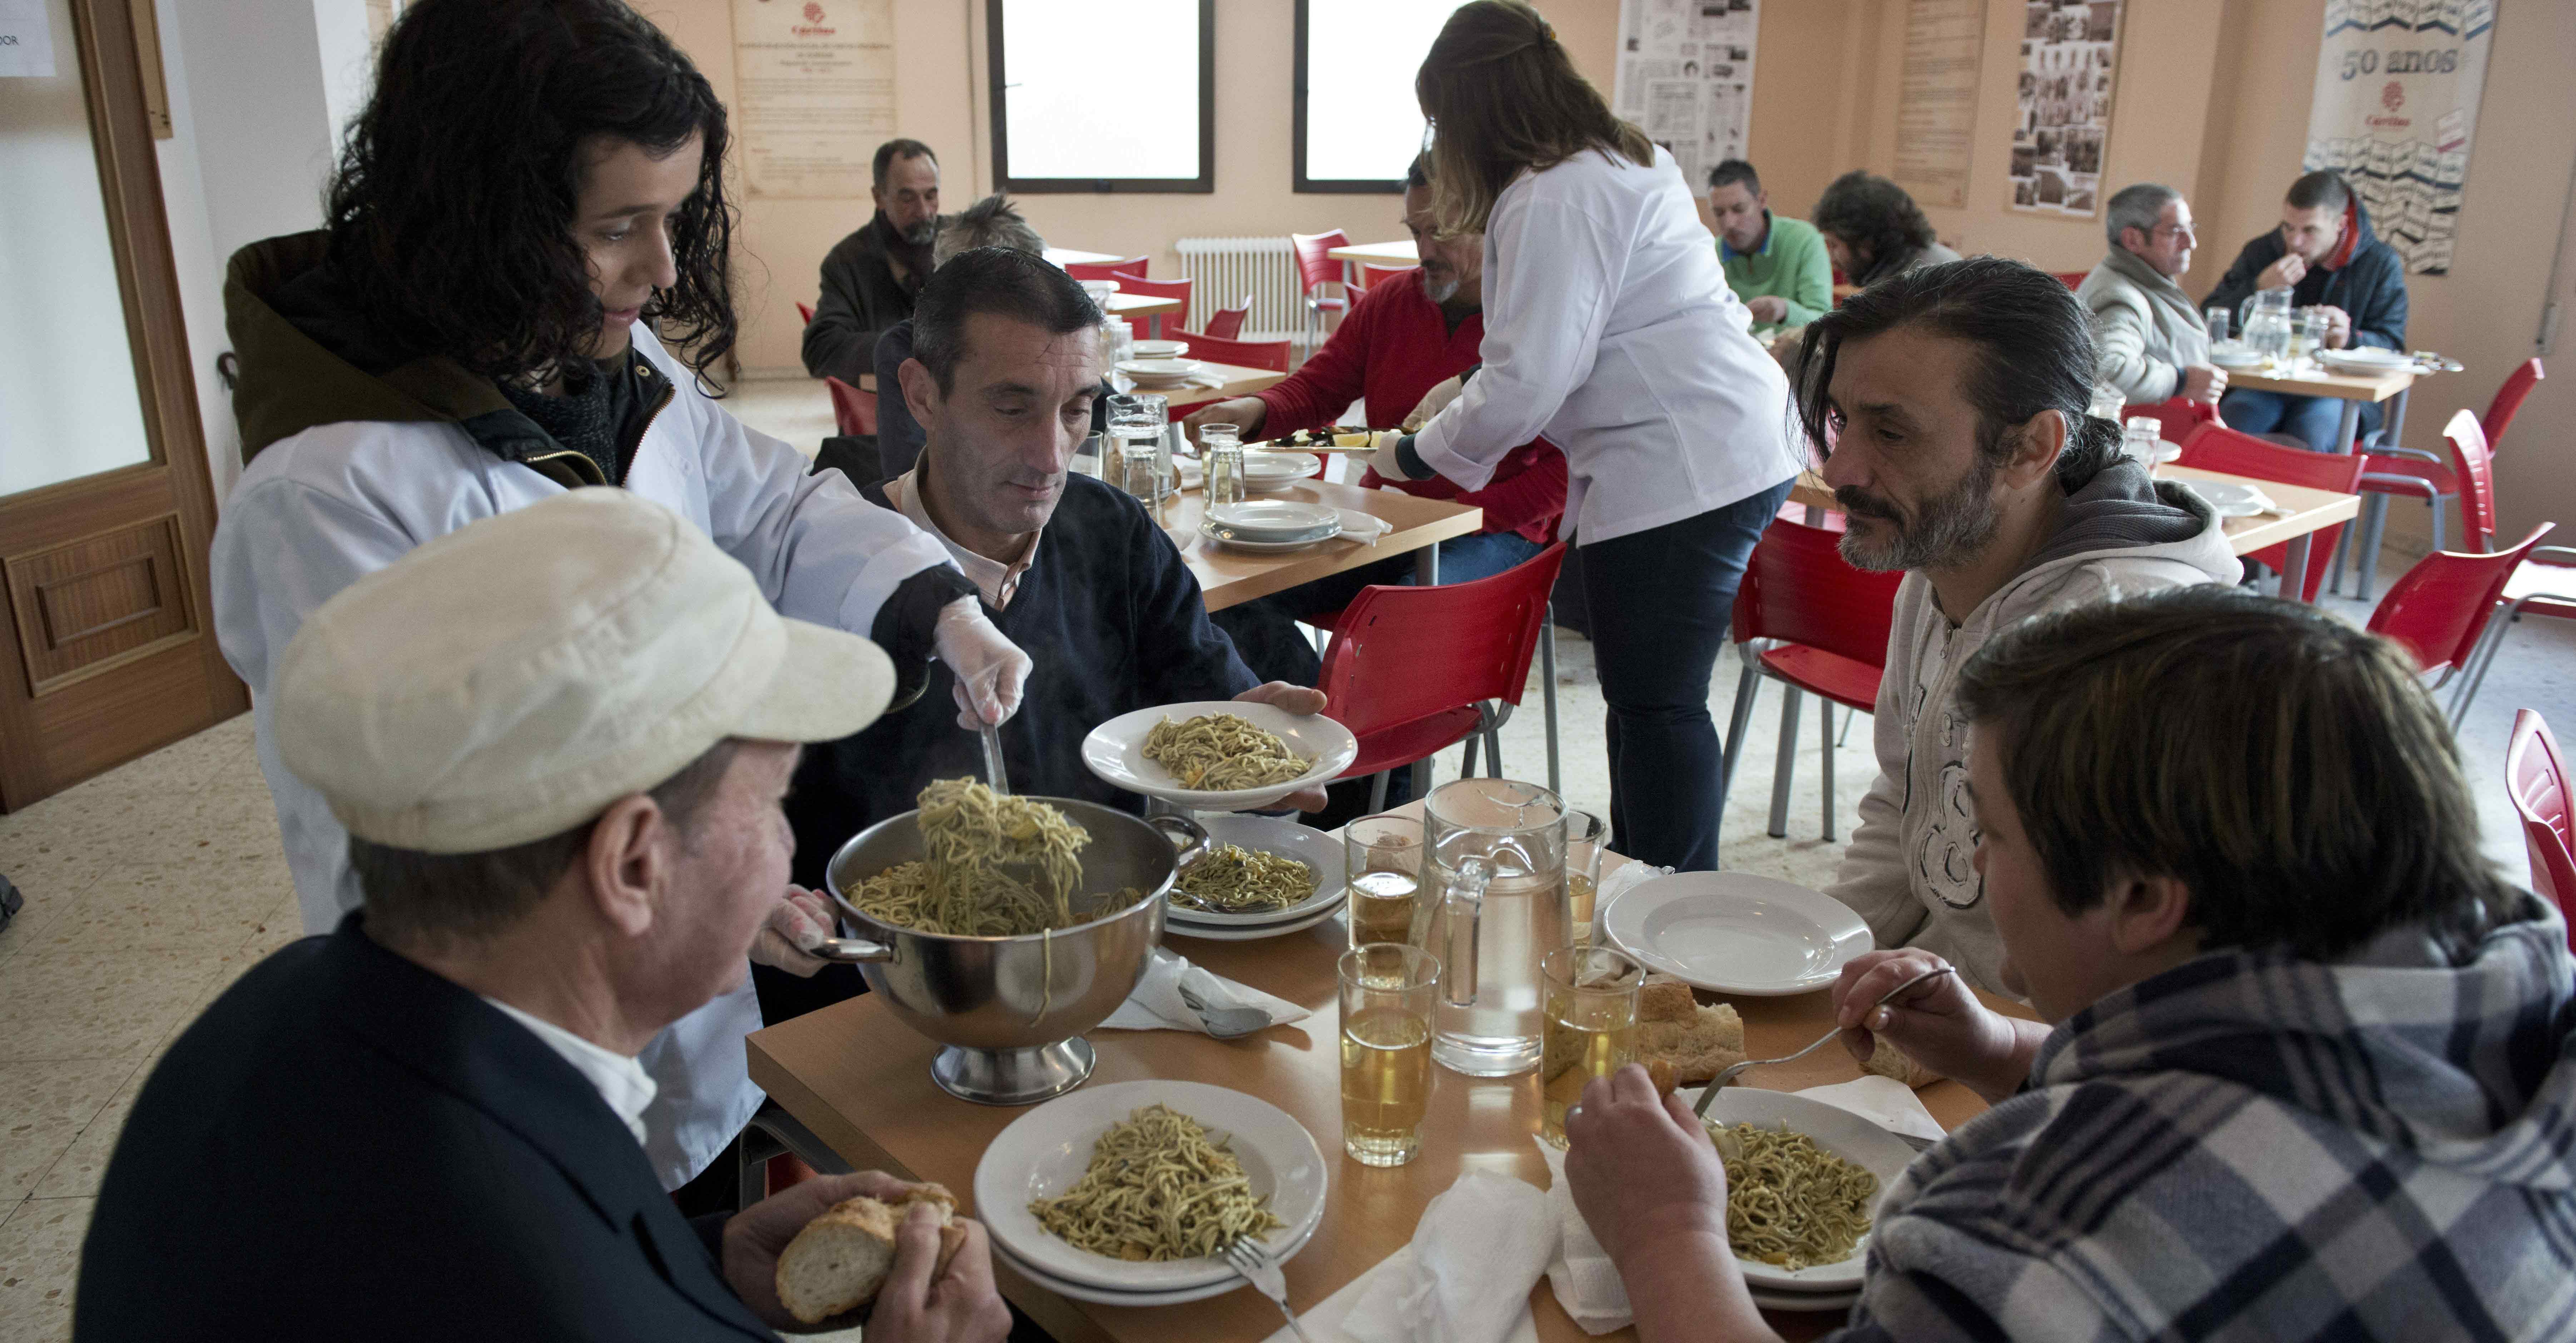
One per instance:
(510, 680)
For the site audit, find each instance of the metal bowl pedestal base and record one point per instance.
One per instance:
(1013, 1076)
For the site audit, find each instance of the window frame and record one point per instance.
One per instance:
(997, 110)
(1302, 184)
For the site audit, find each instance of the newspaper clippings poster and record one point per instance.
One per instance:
(1936, 99)
(813, 93)
(2396, 100)
(1686, 77)
(2070, 51)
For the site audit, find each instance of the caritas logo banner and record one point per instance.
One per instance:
(2396, 102)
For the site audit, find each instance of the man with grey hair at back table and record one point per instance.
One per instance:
(870, 277)
(2148, 335)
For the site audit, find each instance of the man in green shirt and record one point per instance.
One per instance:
(1777, 266)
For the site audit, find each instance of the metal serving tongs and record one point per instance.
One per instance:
(994, 774)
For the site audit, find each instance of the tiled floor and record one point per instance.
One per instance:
(149, 889)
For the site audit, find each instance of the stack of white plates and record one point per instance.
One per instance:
(1320, 852)
(1833, 1286)
(1161, 349)
(1160, 372)
(2236, 354)
(1044, 1151)
(2365, 359)
(1269, 525)
(1265, 471)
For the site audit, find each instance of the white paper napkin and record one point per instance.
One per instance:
(1466, 1277)
(1156, 1004)
(1368, 527)
(1618, 882)
(1883, 1101)
(1323, 1322)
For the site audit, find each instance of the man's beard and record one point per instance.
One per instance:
(919, 235)
(1437, 289)
(1949, 528)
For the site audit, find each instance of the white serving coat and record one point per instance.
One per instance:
(315, 510)
(1610, 330)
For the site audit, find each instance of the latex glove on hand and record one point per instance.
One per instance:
(990, 670)
(801, 922)
(1432, 403)
(1295, 699)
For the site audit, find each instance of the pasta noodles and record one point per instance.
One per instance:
(977, 844)
(1789, 1202)
(1236, 880)
(1221, 752)
(1157, 1190)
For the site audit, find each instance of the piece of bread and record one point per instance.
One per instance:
(1699, 1048)
(1664, 998)
(1889, 1061)
(840, 1260)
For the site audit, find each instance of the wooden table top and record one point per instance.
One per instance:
(861, 1081)
(1075, 256)
(1397, 253)
(2310, 509)
(2312, 380)
(1233, 380)
(1231, 577)
(1141, 305)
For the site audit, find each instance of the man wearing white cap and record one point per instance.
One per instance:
(558, 739)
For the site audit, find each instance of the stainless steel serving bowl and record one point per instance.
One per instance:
(1011, 1010)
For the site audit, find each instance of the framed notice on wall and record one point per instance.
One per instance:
(2396, 98)
(1936, 101)
(2069, 51)
(813, 93)
(1686, 77)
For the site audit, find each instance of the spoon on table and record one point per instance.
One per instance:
(1225, 1023)
(1709, 1092)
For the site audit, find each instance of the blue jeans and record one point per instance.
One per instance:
(2313, 420)
(1480, 555)
(1662, 601)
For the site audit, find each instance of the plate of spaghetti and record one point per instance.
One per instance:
(1219, 755)
(1134, 1186)
(1259, 871)
(1803, 1183)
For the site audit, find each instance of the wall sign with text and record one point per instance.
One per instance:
(2396, 99)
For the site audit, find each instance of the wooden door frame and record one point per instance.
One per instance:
(138, 227)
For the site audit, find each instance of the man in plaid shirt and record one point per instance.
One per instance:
(2309, 1070)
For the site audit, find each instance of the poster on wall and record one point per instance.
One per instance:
(26, 40)
(2069, 53)
(1686, 77)
(813, 93)
(1936, 99)
(2396, 100)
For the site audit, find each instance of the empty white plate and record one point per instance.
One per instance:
(1161, 349)
(1160, 370)
(1732, 932)
(1275, 519)
(1834, 1129)
(2366, 356)
(2230, 500)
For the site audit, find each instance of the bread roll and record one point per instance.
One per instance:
(1664, 998)
(1698, 1048)
(1889, 1061)
(841, 1259)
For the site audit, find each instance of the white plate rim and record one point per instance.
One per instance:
(1065, 1129)
(1180, 349)
(1106, 750)
(1110, 1296)
(1209, 933)
(1314, 515)
(1214, 537)
(1850, 933)
(1838, 1131)
(1288, 839)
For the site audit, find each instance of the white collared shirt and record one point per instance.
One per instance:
(622, 1081)
(998, 582)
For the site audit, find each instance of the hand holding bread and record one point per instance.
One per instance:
(837, 1243)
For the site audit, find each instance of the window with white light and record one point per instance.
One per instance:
(1357, 122)
(1103, 95)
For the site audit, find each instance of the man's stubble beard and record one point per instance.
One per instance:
(1950, 528)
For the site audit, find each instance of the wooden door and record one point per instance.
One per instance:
(107, 648)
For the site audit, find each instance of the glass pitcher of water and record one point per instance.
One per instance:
(1493, 884)
(2267, 323)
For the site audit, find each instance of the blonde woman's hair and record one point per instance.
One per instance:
(1503, 98)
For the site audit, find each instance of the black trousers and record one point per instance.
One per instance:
(1661, 601)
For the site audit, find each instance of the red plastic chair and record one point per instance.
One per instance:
(2441, 608)
(1315, 269)
(1179, 289)
(2536, 774)
(2181, 418)
(1413, 671)
(1831, 621)
(2409, 473)
(1107, 270)
(1373, 276)
(2217, 448)
(853, 410)
(1227, 323)
(806, 311)
(1269, 354)
(2072, 279)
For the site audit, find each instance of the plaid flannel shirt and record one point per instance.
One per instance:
(2254, 1147)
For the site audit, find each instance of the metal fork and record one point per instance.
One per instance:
(1257, 1268)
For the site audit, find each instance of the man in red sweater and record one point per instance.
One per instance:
(1403, 338)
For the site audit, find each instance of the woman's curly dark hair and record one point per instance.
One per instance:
(1873, 215)
(451, 213)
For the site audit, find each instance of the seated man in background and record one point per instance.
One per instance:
(990, 222)
(1004, 369)
(557, 738)
(2148, 333)
(2305, 1066)
(1777, 266)
(2325, 253)
(1954, 398)
(871, 276)
(1873, 230)
(1408, 339)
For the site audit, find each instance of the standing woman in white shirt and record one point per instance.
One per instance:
(1609, 329)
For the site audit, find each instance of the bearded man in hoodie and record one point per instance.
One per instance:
(1951, 402)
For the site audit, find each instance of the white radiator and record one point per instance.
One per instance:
(1227, 269)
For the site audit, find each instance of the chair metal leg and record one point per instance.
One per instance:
(1827, 723)
(2374, 521)
(1494, 754)
(1467, 758)
(1731, 750)
(2483, 656)
(1377, 789)
(1843, 738)
(1787, 764)
(1547, 698)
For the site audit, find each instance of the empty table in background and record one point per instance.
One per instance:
(1398, 253)
(1074, 256)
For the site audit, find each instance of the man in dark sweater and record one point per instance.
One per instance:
(2325, 253)
(871, 277)
(1004, 367)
